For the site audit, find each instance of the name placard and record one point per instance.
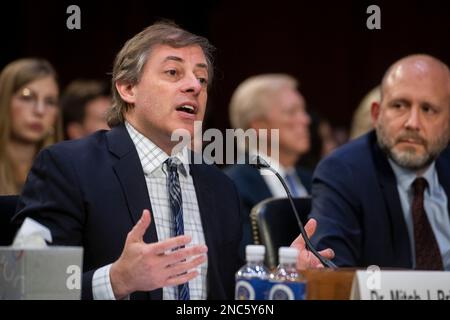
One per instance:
(374, 284)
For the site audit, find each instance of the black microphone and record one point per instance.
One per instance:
(260, 163)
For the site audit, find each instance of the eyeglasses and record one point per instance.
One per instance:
(31, 98)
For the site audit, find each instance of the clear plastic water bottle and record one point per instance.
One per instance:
(286, 282)
(253, 278)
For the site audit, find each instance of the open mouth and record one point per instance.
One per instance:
(187, 108)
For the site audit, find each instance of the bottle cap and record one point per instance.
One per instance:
(255, 252)
(288, 254)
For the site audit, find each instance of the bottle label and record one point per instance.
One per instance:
(251, 289)
(287, 291)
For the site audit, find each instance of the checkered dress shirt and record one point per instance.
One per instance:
(155, 172)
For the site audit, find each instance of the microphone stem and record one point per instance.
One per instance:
(326, 263)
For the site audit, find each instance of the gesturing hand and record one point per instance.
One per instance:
(145, 267)
(306, 259)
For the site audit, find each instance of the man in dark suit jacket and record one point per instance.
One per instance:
(263, 103)
(91, 192)
(363, 196)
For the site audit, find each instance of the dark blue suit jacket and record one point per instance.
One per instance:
(91, 192)
(357, 205)
(253, 189)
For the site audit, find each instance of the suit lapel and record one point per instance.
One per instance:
(399, 232)
(134, 187)
(130, 174)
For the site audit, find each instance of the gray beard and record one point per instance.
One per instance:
(408, 159)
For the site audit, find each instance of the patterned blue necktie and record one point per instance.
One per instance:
(292, 185)
(176, 204)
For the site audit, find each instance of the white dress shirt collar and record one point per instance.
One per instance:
(152, 157)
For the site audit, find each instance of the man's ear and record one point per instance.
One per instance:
(126, 91)
(375, 112)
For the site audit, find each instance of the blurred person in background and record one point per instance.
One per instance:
(30, 118)
(270, 101)
(84, 104)
(331, 137)
(362, 120)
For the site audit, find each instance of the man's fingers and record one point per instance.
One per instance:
(310, 227)
(184, 253)
(298, 243)
(180, 279)
(327, 253)
(137, 233)
(182, 267)
(311, 261)
(171, 243)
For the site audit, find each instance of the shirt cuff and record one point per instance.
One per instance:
(101, 284)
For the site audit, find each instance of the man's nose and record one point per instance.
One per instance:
(413, 121)
(192, 84)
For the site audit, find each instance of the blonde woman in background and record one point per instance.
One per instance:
(29, 118)
(362, 121)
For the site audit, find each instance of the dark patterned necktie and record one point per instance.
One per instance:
(428, 256)
(176, 204)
